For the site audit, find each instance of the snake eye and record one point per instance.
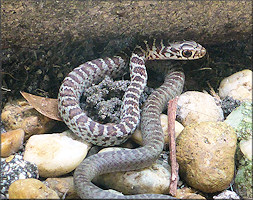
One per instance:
(187, 53)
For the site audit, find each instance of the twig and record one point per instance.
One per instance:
(172, 107)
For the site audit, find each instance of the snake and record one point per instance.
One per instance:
(111, 134)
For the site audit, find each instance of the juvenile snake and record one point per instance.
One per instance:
(113, 134)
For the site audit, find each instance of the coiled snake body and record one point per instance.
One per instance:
(113, 134)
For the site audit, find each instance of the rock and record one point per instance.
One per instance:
(31, 189)
(64, 187)
(137, 137)
(198, 107)
(154, 179)
(241, 120)
(227, 194)
(205, 154)
(14, 168)
(188, 193)
(238, 86)
(55, 154)
(19, 114)
(246, 148)
(11, 142)
(243, 179)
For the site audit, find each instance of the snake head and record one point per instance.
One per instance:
(185, 50)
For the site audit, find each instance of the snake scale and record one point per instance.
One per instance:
(113, 134)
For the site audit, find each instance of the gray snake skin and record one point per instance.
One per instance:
(113, 134)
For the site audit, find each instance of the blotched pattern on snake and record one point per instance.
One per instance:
(113, 134)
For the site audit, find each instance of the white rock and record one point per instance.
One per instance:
(137, 137)
(227, 194)
(246, 148)
(55, 154)
(195, 107)
(154, 179)
(238, 86)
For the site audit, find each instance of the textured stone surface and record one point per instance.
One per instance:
(11, 142)
(205, 153)
(31, 189)
(14, 168)
(238, 86)
(55, 154)
(64, 187)
(19, 114)
(198, 107)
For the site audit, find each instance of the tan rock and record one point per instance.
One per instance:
(19, 114)
(238, 86)
(64, 187)
(246, 148)
(205, 153)
(55, 154)
(154, 179)
(137, 137)
(188, 193)
(31, 189)
(11, 142)
(195, 107)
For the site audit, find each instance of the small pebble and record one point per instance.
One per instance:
(195, 107)
(64, 187)
(11, 142)
(205, 154)
(154, 179)
(188, 193)
(55, 154)
(238, 86)
(227, 194)
(31, 189)
(14, 168)
(137, 137)
(246, 148)
(19, 114)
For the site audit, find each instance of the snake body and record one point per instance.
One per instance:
(113, 134)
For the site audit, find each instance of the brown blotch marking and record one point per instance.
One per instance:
(137, 60)
(131, 102)
(116, 60)
(68, 92)
(82, 119)
(139, 79)
(73, 77)
(106, 139)
(127, 121)
(98, 63)
(69, 83)
(111, 130)
(68, 102)
(74, 111)
(85, 69)
(122, 128)
(136, 85)
(139, 70)
(130, 95)
(77, 71)
(92, 126)
(100, 130)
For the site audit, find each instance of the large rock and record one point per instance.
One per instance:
(31, 189)
(154, 179)
(205, 153)
(55, 154)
